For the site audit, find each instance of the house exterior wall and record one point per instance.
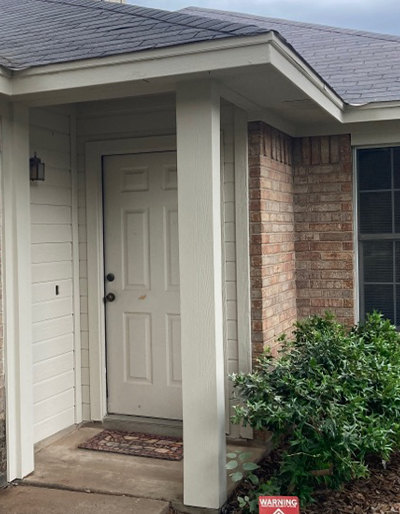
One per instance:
(3, 452)
(272, 236)
(301, 231)
(325, 261)
(147, 117)
(52, 265)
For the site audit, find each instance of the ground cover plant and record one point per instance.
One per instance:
(332, 401)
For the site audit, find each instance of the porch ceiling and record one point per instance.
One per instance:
(270, 93)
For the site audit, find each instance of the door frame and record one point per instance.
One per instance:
(94, 153)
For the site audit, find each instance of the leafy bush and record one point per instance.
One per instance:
(332, 400)
(242, 466)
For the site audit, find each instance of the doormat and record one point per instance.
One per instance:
(137, 444)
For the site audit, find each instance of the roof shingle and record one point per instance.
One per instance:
(40, 32)
(362, 67)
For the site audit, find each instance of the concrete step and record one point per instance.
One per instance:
(39, 500)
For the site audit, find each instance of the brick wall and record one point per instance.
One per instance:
(323, 185)
(272, 258)
(301, 230)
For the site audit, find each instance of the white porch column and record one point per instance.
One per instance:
(200, 254)
(16, 262)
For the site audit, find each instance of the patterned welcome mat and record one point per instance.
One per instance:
(135, 443)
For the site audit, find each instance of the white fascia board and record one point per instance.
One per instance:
(377, 111)
(177, 63)
(296, 70)
(144, 66)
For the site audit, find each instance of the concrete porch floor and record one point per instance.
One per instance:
(63, 466)
(38, 500)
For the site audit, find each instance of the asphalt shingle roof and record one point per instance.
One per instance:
(361, 67)
(40, 32)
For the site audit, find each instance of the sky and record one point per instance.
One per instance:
(371, 15)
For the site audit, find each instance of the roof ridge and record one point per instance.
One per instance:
(126, 9)
(315, 26)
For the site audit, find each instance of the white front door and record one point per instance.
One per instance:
(141, 252)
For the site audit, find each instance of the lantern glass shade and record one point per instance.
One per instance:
(36, 167)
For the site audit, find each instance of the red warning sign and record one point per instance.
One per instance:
(279, 505)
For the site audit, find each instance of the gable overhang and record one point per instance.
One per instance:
(253, 58)
(162, 69)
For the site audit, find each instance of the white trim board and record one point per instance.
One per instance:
(94, 153)
(17, 291)
(76, 277)
(224, 291)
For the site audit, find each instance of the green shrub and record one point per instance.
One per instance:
(332, 400)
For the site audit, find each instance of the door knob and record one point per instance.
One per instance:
(110, 297)
(111, 277)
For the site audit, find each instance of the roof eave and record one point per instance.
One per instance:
(178, 61)
(372, 111)
(144, 65)
(287, 60)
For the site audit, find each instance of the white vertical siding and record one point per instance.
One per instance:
(52, 265)
(150, 116)
(229, 240)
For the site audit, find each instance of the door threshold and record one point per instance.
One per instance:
(156, 426)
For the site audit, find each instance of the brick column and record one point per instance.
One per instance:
(323, 186)
(301, 231)
(272, 257)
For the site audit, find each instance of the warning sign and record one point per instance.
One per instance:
(279, 505)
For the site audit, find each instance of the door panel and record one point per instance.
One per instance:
(141, 251)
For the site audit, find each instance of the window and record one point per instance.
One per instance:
(379, 230)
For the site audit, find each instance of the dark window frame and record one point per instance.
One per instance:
(393, 237)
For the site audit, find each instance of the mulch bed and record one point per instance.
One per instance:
(136, 444)
(377, 494)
